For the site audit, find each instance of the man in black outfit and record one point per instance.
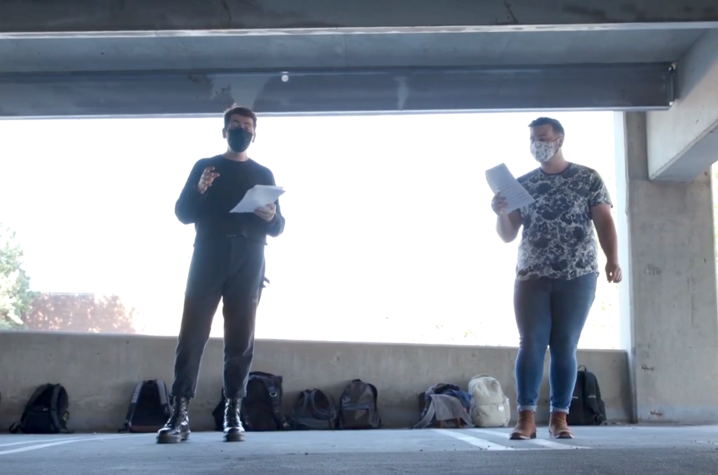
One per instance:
(227, 264)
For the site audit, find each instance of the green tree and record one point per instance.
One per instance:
(15, 293)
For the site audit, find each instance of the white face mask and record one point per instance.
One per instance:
(544, 151)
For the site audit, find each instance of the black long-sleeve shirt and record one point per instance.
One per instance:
(210, 212)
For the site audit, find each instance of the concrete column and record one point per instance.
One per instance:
(668, 299)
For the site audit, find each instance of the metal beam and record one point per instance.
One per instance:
(584, 87)
(57, 17)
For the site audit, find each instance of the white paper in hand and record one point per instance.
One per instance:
(260, 195)
(501, 180)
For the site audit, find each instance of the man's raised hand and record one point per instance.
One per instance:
(205, 181)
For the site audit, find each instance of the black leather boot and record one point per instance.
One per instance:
(233, 430)
(177, 427)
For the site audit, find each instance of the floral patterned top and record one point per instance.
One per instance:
(557, 240)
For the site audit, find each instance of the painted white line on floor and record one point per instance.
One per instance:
(555, 445)
(53, 444)
(35, 441)
(476, 442)
(541, 442)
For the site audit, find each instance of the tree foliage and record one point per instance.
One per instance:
(15, 293)
(80, 313)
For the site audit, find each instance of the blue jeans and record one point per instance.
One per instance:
(550, 313)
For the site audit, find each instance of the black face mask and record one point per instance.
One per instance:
(239, 140)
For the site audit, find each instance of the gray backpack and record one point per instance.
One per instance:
(358, 406)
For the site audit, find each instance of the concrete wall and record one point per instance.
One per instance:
(671, 310)
(100, 371)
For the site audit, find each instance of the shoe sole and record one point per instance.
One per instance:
(521, 437)
(234, 437)
(172, 439)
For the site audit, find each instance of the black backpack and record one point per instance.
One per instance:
(587, 407)
(149, 407)
(261, 407)
(45, 412)
(314, 410)
(358, 406)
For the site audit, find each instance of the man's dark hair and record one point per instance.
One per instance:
(238, 110)
(555, 125)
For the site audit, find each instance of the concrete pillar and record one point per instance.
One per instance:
(668, 300)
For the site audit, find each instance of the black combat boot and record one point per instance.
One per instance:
(233, 430)
(177, 427)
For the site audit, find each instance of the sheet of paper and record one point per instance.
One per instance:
(260, 195)
(501, 180)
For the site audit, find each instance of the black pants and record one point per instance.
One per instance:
(230, 269)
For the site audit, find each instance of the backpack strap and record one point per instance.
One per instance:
(377, 417)
(374, 391)
(274, 397)
(164, 398)
(218, 413)
(427, 416)
(593, 401)
(602, 417)
(59, 420)
(133, 406)
(18, 426)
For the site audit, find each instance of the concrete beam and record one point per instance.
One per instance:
(683, 142)
(72, 16)
(599, 87)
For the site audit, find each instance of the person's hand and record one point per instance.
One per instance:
(205, 181)
(613, 272)
(499, 204)
(267, 212)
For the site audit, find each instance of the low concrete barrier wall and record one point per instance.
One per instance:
(100, 372)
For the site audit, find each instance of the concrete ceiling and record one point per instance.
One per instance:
(344, 50)
(59, 17)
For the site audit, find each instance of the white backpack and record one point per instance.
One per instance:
(489, 405)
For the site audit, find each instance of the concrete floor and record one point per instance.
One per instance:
(596, 450)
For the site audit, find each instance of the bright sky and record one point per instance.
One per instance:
(389, 236)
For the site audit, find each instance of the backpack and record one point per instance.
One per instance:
(261, 407)
(45, 412)
(446, 389)
(358, 406)
(444, 405)
(149, 407)
(587, 407)
(314, 410)
(489, 405)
